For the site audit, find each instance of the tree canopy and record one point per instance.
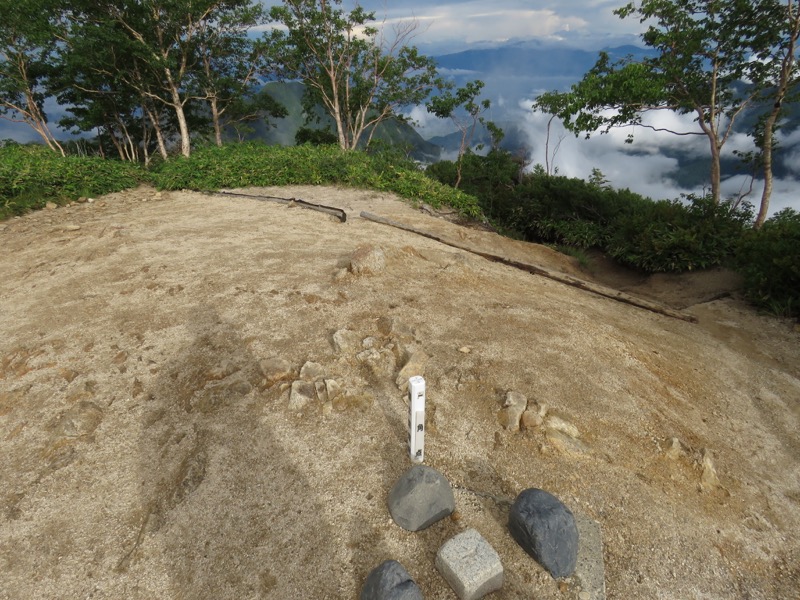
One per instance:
(713, 59)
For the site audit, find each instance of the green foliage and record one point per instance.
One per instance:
(769, 260)
(671, 236)
(356, 74)
(254, 164)
(31, 176)
(651, 236)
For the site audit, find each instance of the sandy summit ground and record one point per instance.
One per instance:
(148, 344)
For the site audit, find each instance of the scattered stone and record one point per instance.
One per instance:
(709, 480)
(72, 228)
(413, 367)
(82, 200)
(511, 413)
(421, 497)
(303, 392)
(51, 206)
(531, 419)
(590, 570)
(382, 363)
(367, 260)
(390, 581)
(275, 370)
(545, 528)
(470, 565)
(322, 391)
(90, 200)
(312, 371)
(369, 342)
(465, 349)
(332, 389)
(346, 341)
(676, 450)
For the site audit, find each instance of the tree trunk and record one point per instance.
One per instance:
(715, 172)
(215, 116)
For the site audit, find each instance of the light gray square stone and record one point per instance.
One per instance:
(470, 565)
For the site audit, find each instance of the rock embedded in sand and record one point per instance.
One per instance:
(312, 371)
(303, 393)
(415, 366)
(275, 370)
(367, 260)
(390, 581)
(513, 408)
(346, 341)
(556, 423)
(545, 528)
(421, 497)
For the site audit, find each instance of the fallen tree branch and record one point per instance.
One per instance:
(587, 286)
(336, 212)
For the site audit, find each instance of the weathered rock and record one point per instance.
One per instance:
(367, 259)
(346, 341)
(556, 423)
(51, 205)
(531, 419)
(303, 392)
(312, 371)
(390, 581)
(545, 528)
(709, 480)
(275, 370)
(333, 389)
(382, 362)
(420, 498)
(676, 450)
(470, 565)
(415, 366)
(511, 413)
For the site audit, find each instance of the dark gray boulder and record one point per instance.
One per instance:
(390, 581)
(545, 528)
(421, 497)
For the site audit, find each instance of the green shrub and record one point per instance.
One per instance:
(769, 260)
(32, 175)
(259, 165)
(673, 236)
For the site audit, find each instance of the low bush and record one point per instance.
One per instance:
(259, 165)
(32, 175)
(769, 260)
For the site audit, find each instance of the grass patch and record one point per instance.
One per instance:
(32, 175)
(259, 165)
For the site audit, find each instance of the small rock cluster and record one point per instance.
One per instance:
(518, 413)
(538, 521)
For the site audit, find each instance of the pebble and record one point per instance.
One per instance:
(390, 581)
(72, 228)
(51, 206)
